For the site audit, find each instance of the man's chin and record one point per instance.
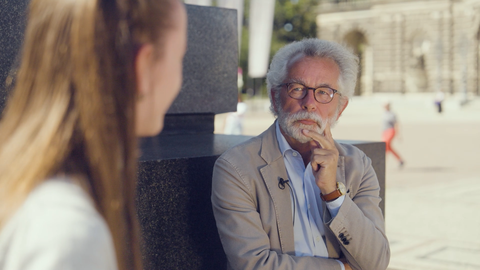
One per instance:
(296, 133)
(303, 139)
(314, 127)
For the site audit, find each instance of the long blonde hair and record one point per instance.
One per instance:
(72, 109)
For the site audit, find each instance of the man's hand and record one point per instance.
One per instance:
(324, 159)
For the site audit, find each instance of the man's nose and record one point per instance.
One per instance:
(308, 102)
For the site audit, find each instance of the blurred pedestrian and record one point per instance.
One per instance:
(390, 129)
(439, 97)
(94, 76)
(234, 120)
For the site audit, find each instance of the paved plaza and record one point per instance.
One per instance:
(432, 203)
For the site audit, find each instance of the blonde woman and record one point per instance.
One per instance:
(94, 75)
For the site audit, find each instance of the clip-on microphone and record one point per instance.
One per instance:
(281, 183)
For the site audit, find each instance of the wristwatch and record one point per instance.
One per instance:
(341, 190)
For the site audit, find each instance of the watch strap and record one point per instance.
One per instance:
(331, 196)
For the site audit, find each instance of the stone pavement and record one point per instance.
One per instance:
(432, 204)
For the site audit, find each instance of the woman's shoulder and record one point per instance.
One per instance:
(58, 225)
(60, 201)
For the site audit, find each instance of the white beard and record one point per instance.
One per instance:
(290, 125)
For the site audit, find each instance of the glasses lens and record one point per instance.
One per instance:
(324, 94)
(296, 90)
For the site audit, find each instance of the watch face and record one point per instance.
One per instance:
(341, 188)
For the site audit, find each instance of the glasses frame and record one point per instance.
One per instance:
(311, 88)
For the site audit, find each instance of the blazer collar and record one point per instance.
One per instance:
(270, 151)
(271, 173)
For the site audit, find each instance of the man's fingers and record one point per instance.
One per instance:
(328, 132)
(320, 139)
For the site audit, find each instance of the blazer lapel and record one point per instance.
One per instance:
(271, 173)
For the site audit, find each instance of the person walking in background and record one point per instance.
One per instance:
(390, 129)
(234, 120)
(439, 97)
(94, 76)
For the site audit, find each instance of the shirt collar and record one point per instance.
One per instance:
(282, 142)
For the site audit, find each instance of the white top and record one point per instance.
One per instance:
(57, 227)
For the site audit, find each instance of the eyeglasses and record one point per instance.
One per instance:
(322, 94)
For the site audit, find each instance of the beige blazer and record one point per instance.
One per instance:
(254, 216)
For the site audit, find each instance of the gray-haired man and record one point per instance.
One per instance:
(292, 197)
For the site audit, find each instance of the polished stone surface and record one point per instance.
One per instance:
(211, 61)
(174, 189)
(194, 123)
(175, 168)
(12, 16)
(187, 146)
(376, 152)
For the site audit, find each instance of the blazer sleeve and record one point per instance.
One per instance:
(359, 226)
(241, 230)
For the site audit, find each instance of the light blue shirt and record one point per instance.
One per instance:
(308, 226)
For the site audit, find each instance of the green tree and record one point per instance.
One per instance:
(293, 20)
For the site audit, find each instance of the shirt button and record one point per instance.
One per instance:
(294, 154)
(318, 238)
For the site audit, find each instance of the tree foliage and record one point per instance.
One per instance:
(293, 20)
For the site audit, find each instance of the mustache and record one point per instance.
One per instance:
(304, 116)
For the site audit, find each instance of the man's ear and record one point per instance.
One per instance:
(143, 70)
(343, 105)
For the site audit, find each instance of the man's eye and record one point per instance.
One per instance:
(298, 89)
(322, 92)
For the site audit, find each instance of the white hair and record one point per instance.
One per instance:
(347, 63)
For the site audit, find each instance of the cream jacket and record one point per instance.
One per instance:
(254, 216)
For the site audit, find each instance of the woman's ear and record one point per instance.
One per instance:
(143, 70)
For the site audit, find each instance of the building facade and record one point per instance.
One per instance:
(408, 46)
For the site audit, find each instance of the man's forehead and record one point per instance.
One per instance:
(301, 57)
(298, 59)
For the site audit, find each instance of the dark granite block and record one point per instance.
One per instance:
(210, 64)
(174, 189)
(211, 61)
(176, 215)
(12, 24)
(376, 152)
(188, 124)
(187, 146)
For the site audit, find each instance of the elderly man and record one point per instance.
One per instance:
(292, 197)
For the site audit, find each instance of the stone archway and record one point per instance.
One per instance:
(357, 41)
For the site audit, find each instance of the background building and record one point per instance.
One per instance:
(408, 45)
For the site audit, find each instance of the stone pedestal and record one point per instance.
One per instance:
(175, 169)
(12, 26)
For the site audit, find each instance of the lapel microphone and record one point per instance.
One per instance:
(281, 183)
